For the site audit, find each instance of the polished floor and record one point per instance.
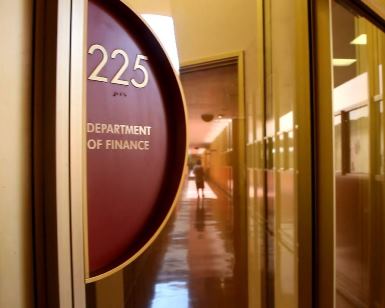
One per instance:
(198, 268)
(192, 263)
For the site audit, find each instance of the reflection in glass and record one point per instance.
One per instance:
(282, 98)
(359, 140)
(358, 156)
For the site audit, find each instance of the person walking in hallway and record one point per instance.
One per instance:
(199, 177)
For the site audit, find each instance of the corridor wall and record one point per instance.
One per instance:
(16, 287)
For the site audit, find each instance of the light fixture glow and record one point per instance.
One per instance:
(343, 62)
(360, 40)
(201, 151)
(163, 27)
(286, 122)
(352, 92)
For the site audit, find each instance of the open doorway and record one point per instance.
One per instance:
(204, 264)
(211, 91)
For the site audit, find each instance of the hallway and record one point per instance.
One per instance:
(198, 269)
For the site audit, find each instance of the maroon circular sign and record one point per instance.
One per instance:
(136, 136)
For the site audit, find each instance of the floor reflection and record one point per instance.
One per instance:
(198, 265)
(174, 294)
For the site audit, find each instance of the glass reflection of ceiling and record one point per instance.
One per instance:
(343, 62)
(362, 39)
(353, 92)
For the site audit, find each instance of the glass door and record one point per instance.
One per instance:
(358, 159)
(355, 154)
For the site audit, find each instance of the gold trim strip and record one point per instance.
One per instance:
(84, 159)
(241, 83)
(211, 62)
(62, 157)
(77, 145)
(324, 187)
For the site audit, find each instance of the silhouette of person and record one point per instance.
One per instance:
(199, 177)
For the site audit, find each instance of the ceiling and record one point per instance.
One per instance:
(161, 7)
(213, 91)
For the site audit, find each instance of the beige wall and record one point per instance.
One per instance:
(221, 165)
(161, 7)
(110, 292)
(208, 28)
(15, 152)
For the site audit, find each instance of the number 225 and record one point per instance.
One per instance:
(116, 79)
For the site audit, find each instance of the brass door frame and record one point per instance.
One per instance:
(323, 167)
(303, 160)
(323, 158)
(230, 58)
(77, 137)
(303, 148)
(239, 146)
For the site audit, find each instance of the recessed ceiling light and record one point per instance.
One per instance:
(343, 62)
(360, 40)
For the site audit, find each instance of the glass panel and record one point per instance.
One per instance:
(283, 95)
(358, 155)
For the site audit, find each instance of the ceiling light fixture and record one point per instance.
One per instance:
(343, 62)
(360, 40)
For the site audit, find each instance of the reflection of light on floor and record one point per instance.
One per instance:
(191, 191)
(171, 294)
